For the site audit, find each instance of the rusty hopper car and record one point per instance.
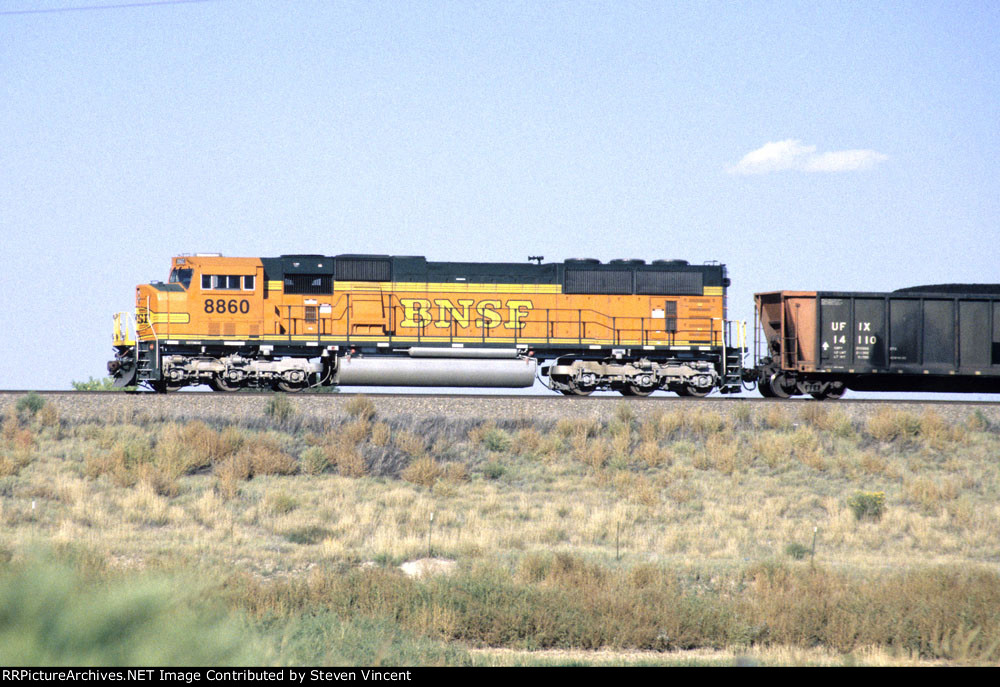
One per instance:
(300, 321)
(927, 338)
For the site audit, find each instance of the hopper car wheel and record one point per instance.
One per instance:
(832, 393)
(220, 384)
(777, 386)
(764, 387)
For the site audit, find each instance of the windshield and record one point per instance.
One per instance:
(182, 277)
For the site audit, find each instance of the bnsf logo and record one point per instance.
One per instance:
(421, 312)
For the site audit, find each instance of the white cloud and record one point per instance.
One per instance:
(792, 154)
(844, 161)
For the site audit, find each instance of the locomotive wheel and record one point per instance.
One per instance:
(163, 387)
(696, 391)
(575, 390)
(220, 384)
(289, 387)
(636, 390)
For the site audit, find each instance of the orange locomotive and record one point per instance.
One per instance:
(298, 321)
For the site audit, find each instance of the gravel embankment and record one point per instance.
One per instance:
(76, 407)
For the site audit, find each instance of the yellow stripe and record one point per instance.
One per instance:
(712, 291)
(170, 318)
(274, 285)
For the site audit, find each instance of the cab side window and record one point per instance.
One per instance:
(227, 282)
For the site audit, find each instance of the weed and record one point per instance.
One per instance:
(777, 418)
(650, 453)
(528, 442)
(423, 471)
(625, 413)
(307, 535)
(314, 461)
(410, 443)
(360, 407)
(816, 415)
(930, 494)
(351, 463)
(977, 421)
(27, 406)
(280, 503)
(705, 422)
(796, 550)
(496, 440)
(889, 424)
(494, 469)
(456, 473)
(867, 505)
(381, 434)
(279, 408)
(743, 415)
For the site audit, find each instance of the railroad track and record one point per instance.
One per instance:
(111, 407)
(608, 397)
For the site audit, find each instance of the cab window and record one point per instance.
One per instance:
(227, 282)
(182, 277)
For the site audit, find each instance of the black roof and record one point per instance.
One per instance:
(971, 289)
(577, 275)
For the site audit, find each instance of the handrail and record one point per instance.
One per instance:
(127, 335)
(589, 325)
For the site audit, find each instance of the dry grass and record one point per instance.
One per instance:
(690, 497)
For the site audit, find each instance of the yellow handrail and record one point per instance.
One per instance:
(125, 328)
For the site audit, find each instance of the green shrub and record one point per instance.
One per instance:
(496, 440)
(323, 638)
(307, 535)
(867, 505)
(280, 503)
(494, 470)
(314, 460)
(28, 405)
(53, 616)
(103, 384)
(978, 422)
(796, 550)
(279, 408)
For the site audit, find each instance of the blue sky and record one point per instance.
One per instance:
(812, 145)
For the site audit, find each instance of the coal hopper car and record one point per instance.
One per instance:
(941, 338)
